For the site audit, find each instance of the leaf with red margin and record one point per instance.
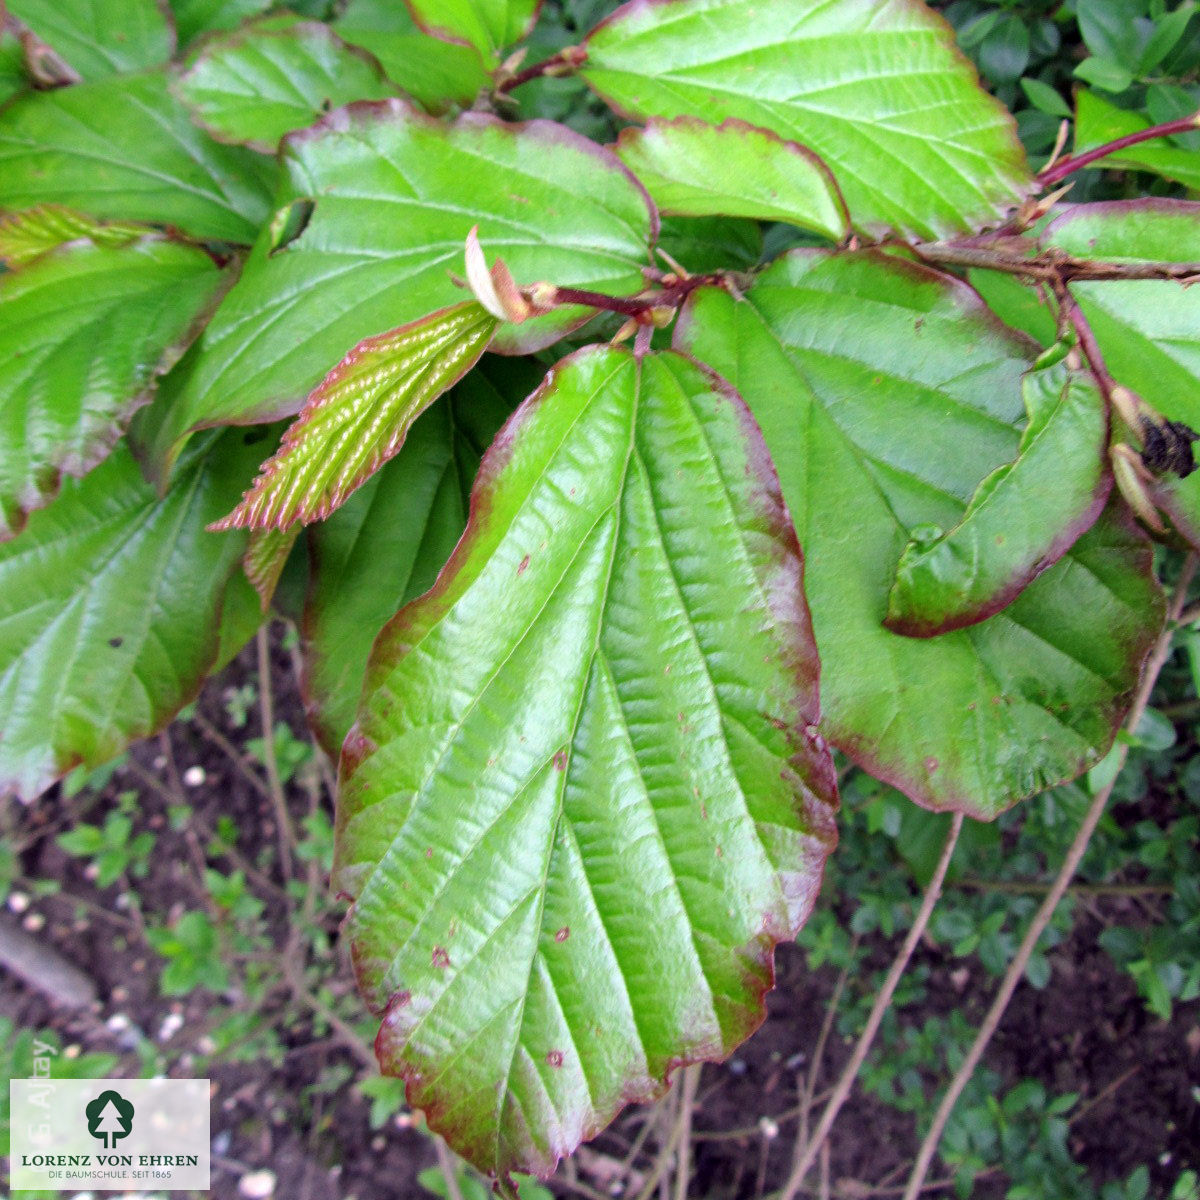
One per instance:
(886, 392)
(367, 562)
(390, 217)
(490, 26)
(85, 331)
(438, 75)
(585, 796)
(254, 86)
(1148, 330)
(1023, 517)
(360, 415)
(111, 610)
(99, 40)
(694, 169)
(919, 148)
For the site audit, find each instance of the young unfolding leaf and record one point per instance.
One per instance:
(77, 146)
(1023, 517)
(360, 415)
(110, 611)
(266, 555)
(85, 330)
(387, 543)
(616, 671)
(389, 217)
(490, 26)
(696, 169)
(32, 232)
(886, 393)
(438, 75)
(99, 40)
(257, 85)
(919, 148)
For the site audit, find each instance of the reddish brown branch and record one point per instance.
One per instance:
(567, 60)
(1059, 171)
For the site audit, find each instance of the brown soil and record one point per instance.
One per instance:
(301, 1118)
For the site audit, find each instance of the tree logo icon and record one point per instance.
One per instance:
(109, 1118)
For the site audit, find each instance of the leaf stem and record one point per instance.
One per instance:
(566, 61)
(1016, 969)
(1060, 170)
(806, 1154)
(640, 308)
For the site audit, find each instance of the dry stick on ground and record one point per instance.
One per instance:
(806, 1154)
(287, 837)
(1016, 969)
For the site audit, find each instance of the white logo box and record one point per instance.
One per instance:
(131, 1135)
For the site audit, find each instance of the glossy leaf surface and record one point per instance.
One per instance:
(84, 332)
(360, 415)
(1152, 229)
(920, 149)
(695, 169)
(1024, 516)
(100, 39)
(886, 393)
(110, 607)
(584, 797)
(388, 228)
(262, 82)
(437, 74)
(386, 544)
(75, 146)
(490, 26)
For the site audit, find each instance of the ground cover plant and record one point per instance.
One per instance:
(703, 390)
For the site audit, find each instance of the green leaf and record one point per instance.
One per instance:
(1153, 229)
(1168, 30)
(84, 333)
(1113, 29)
(490, 26)
(1017, 304)
(437, 74)
(389, 224)
(366, 563)
(1148, 330)
(99, 40)
(1023, 517)
(360, 415)
(13, 78)
(1098, 122)
(264, 81)
(124, 148)
(617, 664)
(1045, 98)
(110, 604)
(695, 169)
(1004, 54)
(712, 243)
(265, 558)
(886, 393)
(27, 235)
(194, 17)
(921, 150)
(1105, 74)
